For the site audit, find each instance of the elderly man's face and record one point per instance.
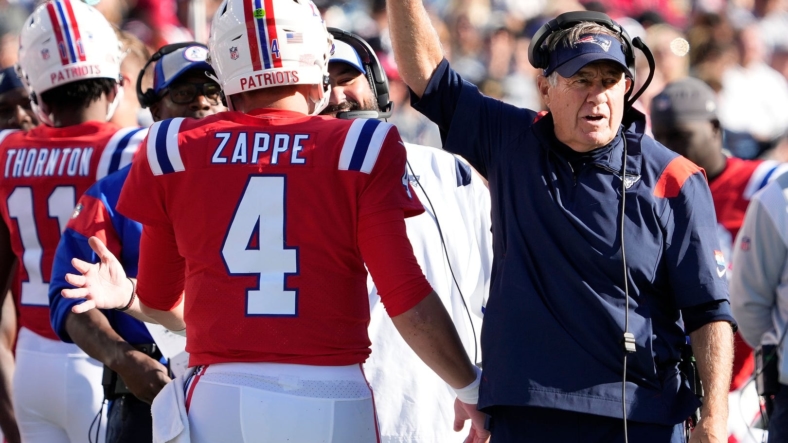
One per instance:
(588, 107)
(350, 90)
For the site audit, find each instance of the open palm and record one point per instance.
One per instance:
(103, 285)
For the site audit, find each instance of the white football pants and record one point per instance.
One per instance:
(278, 403)
(57, 391)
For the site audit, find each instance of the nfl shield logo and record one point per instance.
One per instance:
(45, 54)
(234, 53)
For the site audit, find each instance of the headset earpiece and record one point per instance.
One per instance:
(149, 97)
(375, 73)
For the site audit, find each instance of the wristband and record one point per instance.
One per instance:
(131, 300)
(470, 394)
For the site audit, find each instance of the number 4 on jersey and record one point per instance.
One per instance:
(255, 245)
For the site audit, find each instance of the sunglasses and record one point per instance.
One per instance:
(185, 93)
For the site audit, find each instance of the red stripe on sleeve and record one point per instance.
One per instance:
(251, 35)
(678, 171)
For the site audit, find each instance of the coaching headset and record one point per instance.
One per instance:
(149, 97)
(539, 57)
(376, 76)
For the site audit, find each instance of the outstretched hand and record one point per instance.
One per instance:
(103, 285)
(464, 411)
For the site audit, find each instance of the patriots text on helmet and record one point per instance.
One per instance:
(269, 79)
(73, 72)
(48, 162)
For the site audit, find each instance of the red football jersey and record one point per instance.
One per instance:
(45, 171)
(262, 219)
(731, 192)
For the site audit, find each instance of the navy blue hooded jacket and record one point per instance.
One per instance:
(555, 317)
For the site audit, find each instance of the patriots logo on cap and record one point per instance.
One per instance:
(45, 54)
(601, 42)
(234, 52)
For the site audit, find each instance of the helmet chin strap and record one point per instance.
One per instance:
(119, 92)
(322, 102)
(42, 112)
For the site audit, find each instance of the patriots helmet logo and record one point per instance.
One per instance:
(596, 40)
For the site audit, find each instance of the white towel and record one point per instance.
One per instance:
(170, 422)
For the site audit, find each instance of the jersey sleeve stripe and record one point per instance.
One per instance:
(173, 152)
(362, 145)
(115, 155)
(125, 144)
(351, 138)
(5, 133)
(375, 145)
(164, 136)
(153, 159)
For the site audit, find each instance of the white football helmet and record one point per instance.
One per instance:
(64, 41)
(266, 43)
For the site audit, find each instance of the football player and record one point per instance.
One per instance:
(123, 344)
(257, 227)
(15, 113)
(69, 60)
(452, 243)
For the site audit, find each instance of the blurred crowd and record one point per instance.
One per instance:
(738, 47)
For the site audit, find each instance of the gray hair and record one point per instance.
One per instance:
(569, 37)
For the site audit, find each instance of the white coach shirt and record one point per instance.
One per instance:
(413, 404)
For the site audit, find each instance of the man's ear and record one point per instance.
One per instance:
(543, 85)
(155, 111)
(630, 84)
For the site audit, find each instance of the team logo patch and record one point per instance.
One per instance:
(630, 180)
(594, 39)
(745, 243)
(195, 54)
(405, 181)
(721, 267)
(234, 52)
(77, 210)
(45, 54)
(259, 13)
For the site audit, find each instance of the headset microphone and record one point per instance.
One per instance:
(350, 115)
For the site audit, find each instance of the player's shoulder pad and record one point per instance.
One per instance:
(164, 156)
(363, 142)
(119, 150)
(673, 177)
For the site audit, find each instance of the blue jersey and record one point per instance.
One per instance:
(555, 317)
(95, 215)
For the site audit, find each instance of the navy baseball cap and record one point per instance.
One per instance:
(588, 49)
(9, 80)
(172, 65)
(344, 53)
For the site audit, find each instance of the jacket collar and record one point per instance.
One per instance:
(607, 157)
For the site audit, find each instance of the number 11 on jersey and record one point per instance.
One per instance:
(255, 245)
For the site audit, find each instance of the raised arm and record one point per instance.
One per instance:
(417, 48)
